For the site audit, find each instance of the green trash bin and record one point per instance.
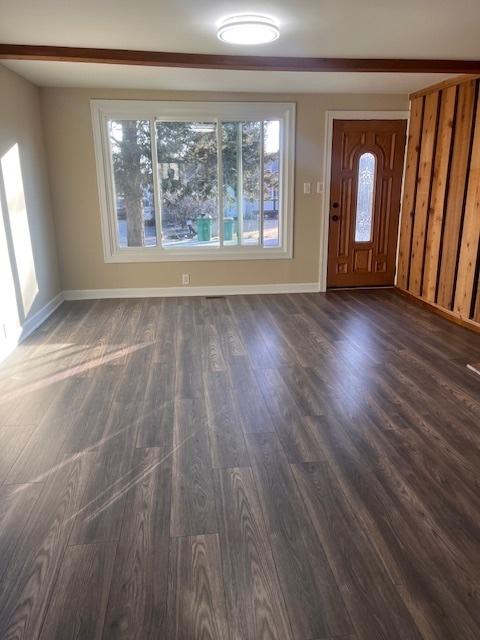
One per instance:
(228, 228)
(204, 229)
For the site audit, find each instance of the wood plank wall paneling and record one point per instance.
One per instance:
(456, 195)
(439, 190)
(476, 315)
(467, 271)
(422, 200)
(439, 245)
(409, 191)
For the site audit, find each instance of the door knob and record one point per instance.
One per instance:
(335, 205)
(335, 218)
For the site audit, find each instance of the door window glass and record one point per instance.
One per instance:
(365, 197)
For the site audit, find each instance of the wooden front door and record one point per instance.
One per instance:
(366, 182)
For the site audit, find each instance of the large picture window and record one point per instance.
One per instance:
(194, 181)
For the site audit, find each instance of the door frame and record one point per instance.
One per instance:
(330, 116)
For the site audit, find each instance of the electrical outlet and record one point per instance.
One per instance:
(185, 278)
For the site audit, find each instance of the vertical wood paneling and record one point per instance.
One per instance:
(439, 189)
(422, 199)
(439, 245)
(409, 192)
(456, 195)
(467, 265)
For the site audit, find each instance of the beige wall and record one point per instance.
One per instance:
(71, 159)
(29, 277)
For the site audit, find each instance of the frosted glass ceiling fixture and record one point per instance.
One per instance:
(248, 29)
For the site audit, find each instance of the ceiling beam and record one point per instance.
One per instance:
(233, 62)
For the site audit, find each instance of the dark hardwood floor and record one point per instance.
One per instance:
(301, 467)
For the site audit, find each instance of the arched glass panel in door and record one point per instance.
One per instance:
(365, 197)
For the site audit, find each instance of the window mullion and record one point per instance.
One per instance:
(281, 185)
(220, 182)
(111, 189)
(156, 186)
(239, 155)
(261, 212)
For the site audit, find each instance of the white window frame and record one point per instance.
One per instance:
(105, 110)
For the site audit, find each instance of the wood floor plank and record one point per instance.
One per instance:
(188, 355)
(141, 336)
(224, 423)
(77, 607)
(441, 615)
(320, 322)
(373, 602)
(229, 336)
(88, 426)
(301, 338)
(394, 528)
(255, 605)
(39, 457)
(29, 580)
(296, 438)
(41, 360)
(165, 333)
(28, 403)
(101, 508)
(394, 463)
(212, 354)
(121, 341)
(312, 597)
(445, 503)
(193, 501)
(196, 585)
(305, 389)
(249, 401)
(156, 416)
(137, 607)
(16, 504)
(280, 345)
(250, 334)
(12, 443)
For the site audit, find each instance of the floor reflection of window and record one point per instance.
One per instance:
(365, 197)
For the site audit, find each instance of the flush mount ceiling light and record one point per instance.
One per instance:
(248, 29)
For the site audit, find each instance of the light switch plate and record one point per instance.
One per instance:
(307, 187)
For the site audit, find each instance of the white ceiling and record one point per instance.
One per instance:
(71, 74)
(331, 28)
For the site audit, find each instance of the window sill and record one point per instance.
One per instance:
(156, 254)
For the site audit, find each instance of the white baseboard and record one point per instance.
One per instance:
(177, 292)
(30, 324)
(39, 318)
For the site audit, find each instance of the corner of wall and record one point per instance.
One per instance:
(28, 248)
